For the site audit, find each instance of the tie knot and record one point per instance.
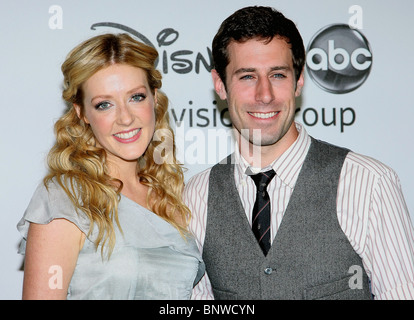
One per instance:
(262, 179)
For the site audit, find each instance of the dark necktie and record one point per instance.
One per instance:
(261, 210)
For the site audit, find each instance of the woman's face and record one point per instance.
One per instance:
(119, 106)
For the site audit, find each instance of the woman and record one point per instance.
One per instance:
(108, 221)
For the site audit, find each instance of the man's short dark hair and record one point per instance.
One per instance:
(256, 22)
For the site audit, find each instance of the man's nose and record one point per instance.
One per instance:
(264, 91)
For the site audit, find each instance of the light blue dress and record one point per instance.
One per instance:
(151, 260)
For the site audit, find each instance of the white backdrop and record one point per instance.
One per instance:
(375, 119)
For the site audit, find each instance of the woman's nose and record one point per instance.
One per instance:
(125, 116)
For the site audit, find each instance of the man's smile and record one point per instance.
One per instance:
(263, 115)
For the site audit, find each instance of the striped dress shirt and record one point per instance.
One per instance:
(370, 206)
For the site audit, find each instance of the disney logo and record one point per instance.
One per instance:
(181, 61)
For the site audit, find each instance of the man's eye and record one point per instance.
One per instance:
(246, 77)
(279, 76)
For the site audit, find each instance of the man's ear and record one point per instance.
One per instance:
(219, 85)
(299, 85)
(78, 112)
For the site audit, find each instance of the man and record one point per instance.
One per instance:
(326, 223)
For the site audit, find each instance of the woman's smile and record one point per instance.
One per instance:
(128, 136)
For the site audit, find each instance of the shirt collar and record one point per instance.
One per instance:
(287, 166)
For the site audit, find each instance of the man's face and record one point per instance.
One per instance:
(261, 89)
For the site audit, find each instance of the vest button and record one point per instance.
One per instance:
(268, 271)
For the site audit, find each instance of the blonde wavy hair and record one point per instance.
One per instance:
(80, 167)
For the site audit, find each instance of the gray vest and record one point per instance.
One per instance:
(311, 257)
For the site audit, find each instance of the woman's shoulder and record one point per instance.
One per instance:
(50, 201)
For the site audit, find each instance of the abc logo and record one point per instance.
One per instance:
(339, 59)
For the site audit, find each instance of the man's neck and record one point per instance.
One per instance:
(263, 156)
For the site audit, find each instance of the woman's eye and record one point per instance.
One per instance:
(102, 105)
(138, 97)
